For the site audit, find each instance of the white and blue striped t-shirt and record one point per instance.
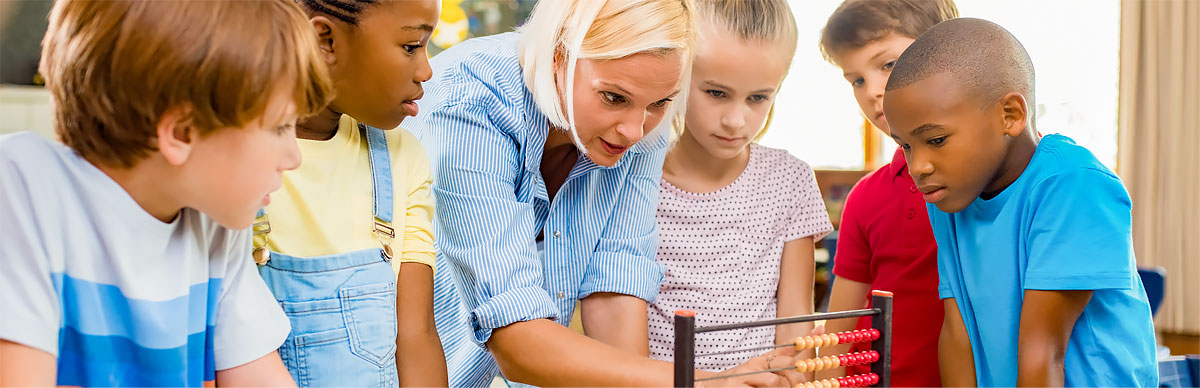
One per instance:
(119, 297)
(485, 138)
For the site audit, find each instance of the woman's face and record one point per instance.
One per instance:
(618, 101)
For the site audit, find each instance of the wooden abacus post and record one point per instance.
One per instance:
(685, 347)
(882, 301)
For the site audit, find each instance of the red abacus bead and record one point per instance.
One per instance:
(861, 337)
(874, 334)
(873, 379)
(873, 356)
(843, 338)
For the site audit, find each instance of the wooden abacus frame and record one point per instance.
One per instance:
(881, 309)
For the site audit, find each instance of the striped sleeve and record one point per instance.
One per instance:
(484, 232)
(624, 259)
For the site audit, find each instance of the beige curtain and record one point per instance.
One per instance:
(1159, 151)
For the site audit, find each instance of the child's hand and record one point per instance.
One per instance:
(818, 329)
(775, 359)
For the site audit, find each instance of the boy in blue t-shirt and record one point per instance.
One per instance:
(1035, 260)
(124, 249)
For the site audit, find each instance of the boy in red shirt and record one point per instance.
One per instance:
(885, 241)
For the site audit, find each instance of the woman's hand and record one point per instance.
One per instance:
(778, 358)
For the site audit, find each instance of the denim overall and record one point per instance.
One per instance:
(342, 307)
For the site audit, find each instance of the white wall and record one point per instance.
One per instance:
(25, 108)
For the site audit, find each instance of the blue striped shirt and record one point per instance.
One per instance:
(485, 138)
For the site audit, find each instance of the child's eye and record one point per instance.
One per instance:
(757, 98)
(906, 147)
(412, 48)
(661, 103)
(613, 98)
(937, 141)
(889, 65)
(715, 93)
(285, 128)
(857, 82)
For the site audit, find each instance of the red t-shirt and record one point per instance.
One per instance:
(885, 240)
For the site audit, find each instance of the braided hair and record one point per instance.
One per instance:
(345, 10)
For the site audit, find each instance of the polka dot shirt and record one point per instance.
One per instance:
(721, 253)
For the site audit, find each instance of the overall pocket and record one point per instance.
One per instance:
(369, 312)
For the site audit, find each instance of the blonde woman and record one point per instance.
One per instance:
(546, 161)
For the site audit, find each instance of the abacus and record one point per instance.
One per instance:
(879, 335)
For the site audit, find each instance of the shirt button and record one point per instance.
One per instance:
(557, 234)
(560, 295)
(912, 188)
(911, 213)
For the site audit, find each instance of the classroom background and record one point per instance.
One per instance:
(1122, 78)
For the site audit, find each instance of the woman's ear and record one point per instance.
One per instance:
(560, 70)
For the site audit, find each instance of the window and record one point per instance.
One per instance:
(1074, 45)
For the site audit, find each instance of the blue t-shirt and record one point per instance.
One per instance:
(1064, 224)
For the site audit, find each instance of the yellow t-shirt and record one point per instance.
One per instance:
(326, 205)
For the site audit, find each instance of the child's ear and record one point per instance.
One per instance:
(1015, 113)
(324, 28)
(175, 134)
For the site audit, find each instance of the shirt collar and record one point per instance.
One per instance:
(898, 165)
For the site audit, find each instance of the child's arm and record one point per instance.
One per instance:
(543, 353)
(250, 324)
(795, 293)
(1047, 318)
(24, 366)
(419, 357)
(618, 320)
(955, 358)
(847, 295)
(420, 360)
(31, 306)
(267, 371)
(853, 269)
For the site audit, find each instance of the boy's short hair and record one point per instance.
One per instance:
(115, 67)
(985, 60)
(856, 23)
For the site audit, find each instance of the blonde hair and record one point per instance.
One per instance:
(115, 67)
(758, 21)
(560, 32)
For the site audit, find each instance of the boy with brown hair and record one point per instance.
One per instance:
(884, 239)
(124, 255)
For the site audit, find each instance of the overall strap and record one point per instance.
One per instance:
(261, 228)
(381, 176)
